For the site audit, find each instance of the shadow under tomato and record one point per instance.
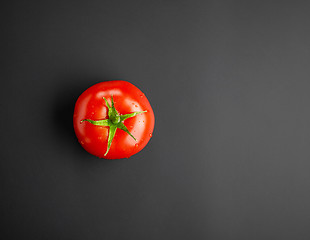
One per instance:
(63, 104)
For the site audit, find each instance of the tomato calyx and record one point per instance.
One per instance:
(114, 122)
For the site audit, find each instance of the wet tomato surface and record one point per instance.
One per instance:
(113, 119)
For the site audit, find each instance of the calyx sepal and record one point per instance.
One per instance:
(114, 122)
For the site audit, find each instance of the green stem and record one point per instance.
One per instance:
(114, 121)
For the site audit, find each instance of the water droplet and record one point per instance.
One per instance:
(136, 145)
(92, 113)
(142, 95)
(82, 143)
(150, 135)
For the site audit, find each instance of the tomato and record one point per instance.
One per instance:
(113, 119)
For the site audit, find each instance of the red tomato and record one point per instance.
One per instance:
(113, 120)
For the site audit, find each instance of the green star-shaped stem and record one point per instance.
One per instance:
(114, 122)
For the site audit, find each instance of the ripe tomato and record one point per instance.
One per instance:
(113, 120)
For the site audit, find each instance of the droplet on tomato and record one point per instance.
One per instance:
(150, 135)
(136, 145)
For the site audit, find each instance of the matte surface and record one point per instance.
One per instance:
(229, 85)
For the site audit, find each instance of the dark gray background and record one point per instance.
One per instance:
(229, 85)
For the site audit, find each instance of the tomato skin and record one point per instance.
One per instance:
(127, 99)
